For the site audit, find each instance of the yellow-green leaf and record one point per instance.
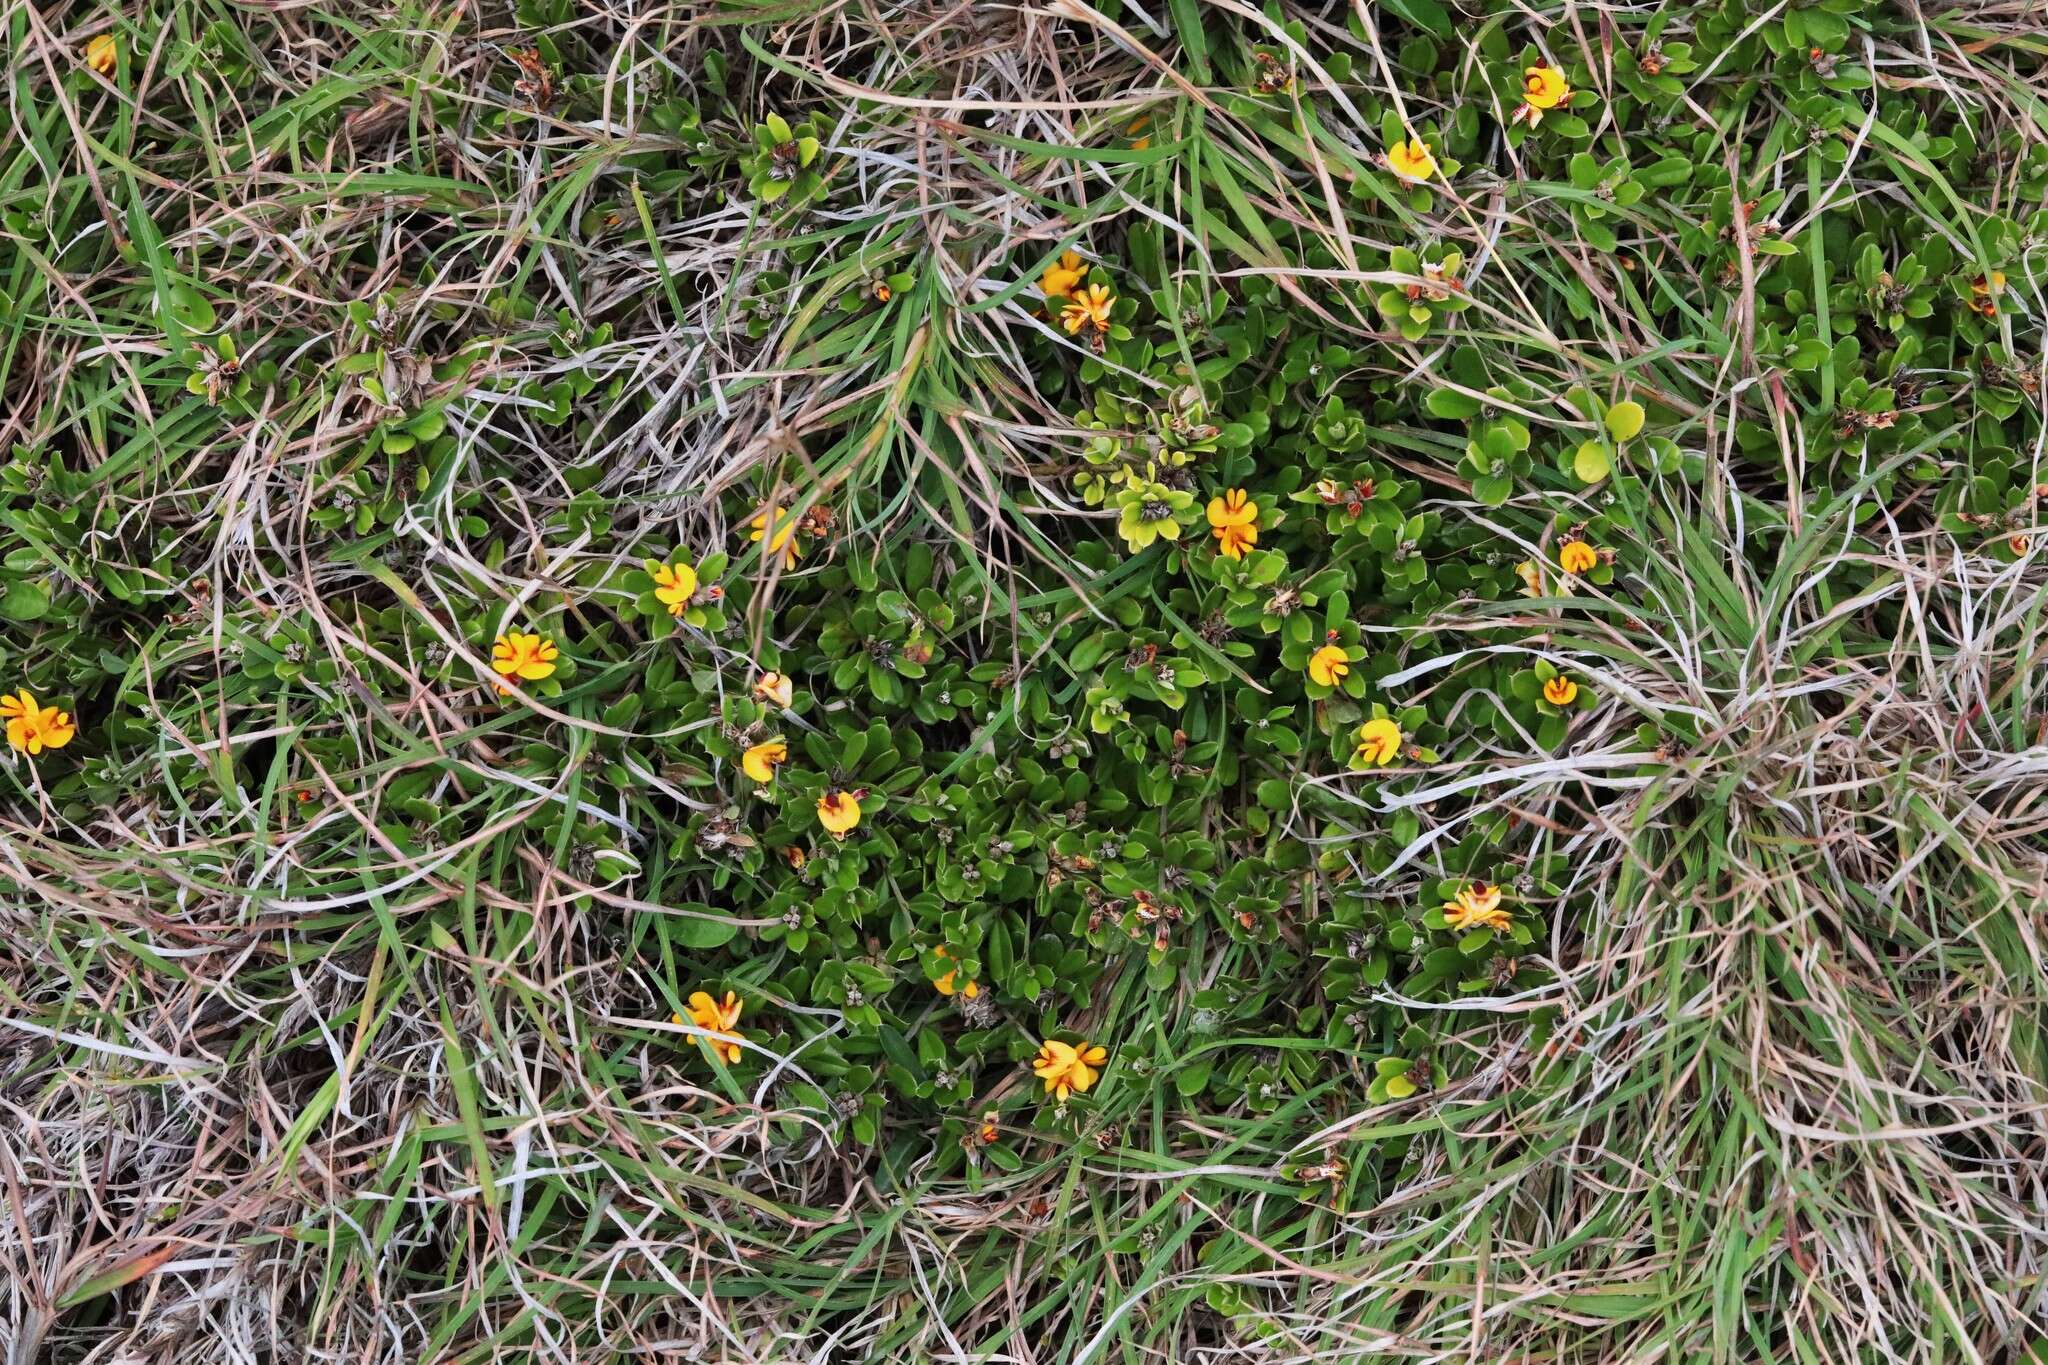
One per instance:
(1624, 419)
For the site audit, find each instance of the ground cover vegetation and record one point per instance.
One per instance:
(1196, 680)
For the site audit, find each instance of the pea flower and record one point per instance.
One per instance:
(1411, 160)
(721, 1018)
(674, 586)
(1088, 307)
(1543, 87)
(1379, 743)
(1531, 574)
(1068, 1068)
(761, 761)
(1984, 292)
(1063, 276)
(775, 687)
(1577, 557)
(1560, 691)
(32, 727)
(784, 540)
(529, 658)
(944, 985)
(1328, 665)
(101, 52)
(1235, 522)
(1477, 906)
(838, 812)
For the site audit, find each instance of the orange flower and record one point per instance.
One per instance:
(1088, 307)
(761, 761)
(784, 539)
(1068, 1068)
(1234, 521)
(944, 985)
(838, 812)
(1560, 691)
(1328, 665)
(32, 727)
(1411, 160)
(674, 586)
(1531, 574)
(775, 687)
(528, 658)
(1379, 743)
(1477, 906)
(721, 1018)
(1577, 557)
(1545, 86)
(1062, 276)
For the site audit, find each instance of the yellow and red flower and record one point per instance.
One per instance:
(1063, 276)
(1068, 1068)
(1411, 160)
(527, 657)
(1543, 87)
(1478, 907)
(838, 812)
(761, 761)
(721, 1017)
(1379, 743)
(33, 727)
(1328, 665)
(1088, 307)
(1234, 520)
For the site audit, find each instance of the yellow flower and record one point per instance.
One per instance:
(721, 1018)
(774, 687)
(1411, 160)
(784, 539)
(1531, 574)
(1088, 308)
(1577, 557)
(1235, 522)
(1560, 691)
(1477, 906)
(838, 812)
(1544, 87)
(526, 657)
(101, 53)
(1062, 276)
(944, 985)
(1068, 1069)
(32, 728)
(674, 586)
(761, 761)
(1379, 743)
(1328, 665)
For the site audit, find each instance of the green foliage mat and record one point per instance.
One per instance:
(776, 681)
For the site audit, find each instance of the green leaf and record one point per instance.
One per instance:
(20, 601)
(1591, 464)
(1625, 419)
